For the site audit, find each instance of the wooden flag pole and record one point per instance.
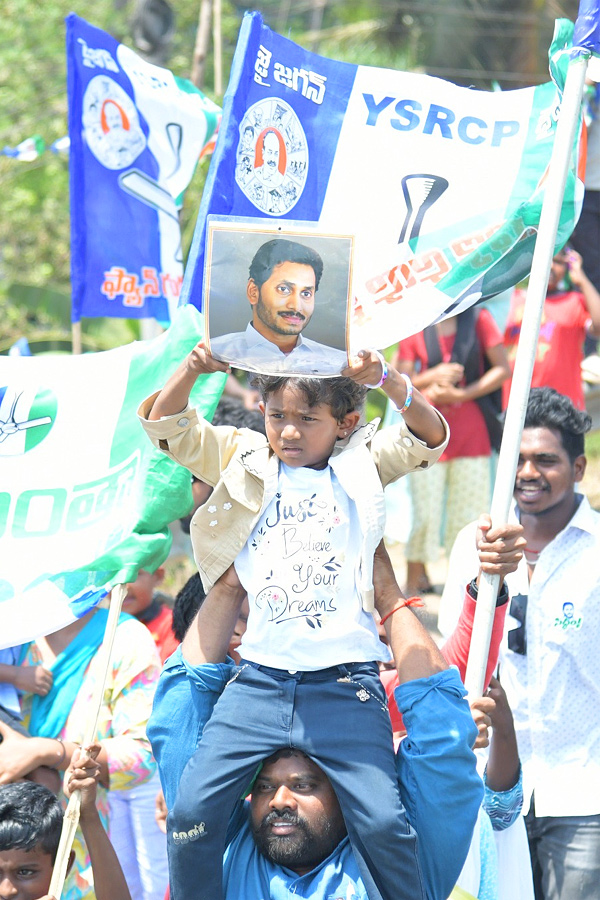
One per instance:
(76, 343)
(71, 819)
(519, 393)
(218, 48)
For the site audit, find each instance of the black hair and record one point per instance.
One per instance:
(231, 411)
(30, 816)
(342, 395)
(549, 409)
(187, 603)
(278, 251)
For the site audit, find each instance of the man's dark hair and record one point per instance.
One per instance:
(187, 603)
(231, 411)
(30, 816)
(278, 251)
(549, 409)
(342, 395)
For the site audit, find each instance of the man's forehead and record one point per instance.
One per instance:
(290, 271)
(541, 440)
(290, 765)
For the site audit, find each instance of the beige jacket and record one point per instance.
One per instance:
(243, 470)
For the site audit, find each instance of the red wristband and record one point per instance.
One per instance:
(411, 601)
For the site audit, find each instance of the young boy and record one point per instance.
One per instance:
(31, 820)
(144, 601)
(301, 515)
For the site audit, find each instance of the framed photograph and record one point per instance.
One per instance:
(277, 296)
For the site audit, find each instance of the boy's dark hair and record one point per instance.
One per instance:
(342, 395)
(549, 409)
(278, 251)
(30, 816)
(187, 603)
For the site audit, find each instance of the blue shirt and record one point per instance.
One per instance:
(436, 770)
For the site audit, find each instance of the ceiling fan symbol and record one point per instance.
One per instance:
(11, 426)
(420, 193)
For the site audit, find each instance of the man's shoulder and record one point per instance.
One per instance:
(229, 341)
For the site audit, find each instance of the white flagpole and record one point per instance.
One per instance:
(519, 393)
(71, 818)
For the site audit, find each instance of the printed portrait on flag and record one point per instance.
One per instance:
(136, 132)
(441, 186)
(277, 298)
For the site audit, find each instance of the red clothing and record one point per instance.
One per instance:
(468, 431)
(161, 629)
(560, 345)
(455, 652)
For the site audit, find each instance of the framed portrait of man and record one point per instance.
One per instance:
(277, 297)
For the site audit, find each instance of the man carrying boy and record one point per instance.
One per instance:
(290, 839)
(301, 515)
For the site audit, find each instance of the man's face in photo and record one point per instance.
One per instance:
(285, 302)
(296, 818)
(270, 166)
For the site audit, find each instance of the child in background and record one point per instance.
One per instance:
(31, 820)
(147, 604)
(301, 514)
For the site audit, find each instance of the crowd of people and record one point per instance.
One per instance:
(287, 725)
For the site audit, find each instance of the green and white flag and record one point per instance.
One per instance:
(85, 499)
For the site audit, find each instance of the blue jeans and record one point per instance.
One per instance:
(337, 716)
(565, 856)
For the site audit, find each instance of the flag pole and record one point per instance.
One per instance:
(521, 382)
(71, 817)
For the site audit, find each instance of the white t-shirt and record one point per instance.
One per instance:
(299, 567)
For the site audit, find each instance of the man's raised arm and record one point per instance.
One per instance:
(437, 775)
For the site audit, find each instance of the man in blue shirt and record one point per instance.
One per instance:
(290, 838)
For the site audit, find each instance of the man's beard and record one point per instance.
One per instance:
(305, 849)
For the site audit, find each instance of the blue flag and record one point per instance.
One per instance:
(441, 186)
(136, 135)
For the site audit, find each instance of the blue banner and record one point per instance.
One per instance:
(136, 135)
(440, 186)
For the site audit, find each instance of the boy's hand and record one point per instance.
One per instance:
(501, 713)
(482, 710)
(33, 680)
(83, 774)
(500, 549)
(366, 368)
(201, 362)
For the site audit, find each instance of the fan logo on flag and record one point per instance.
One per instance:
(26, 418)
(111, 123)
(272, 156)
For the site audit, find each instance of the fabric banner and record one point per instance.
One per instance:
(441, 186)
(85, 499)
(136, 135)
